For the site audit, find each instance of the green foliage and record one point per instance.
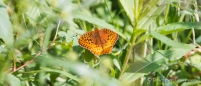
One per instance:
(5, 27)
(159, 43)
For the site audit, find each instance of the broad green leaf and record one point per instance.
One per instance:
(33, 13)
(61, 72)
(62, 34)
(25, 37)
(195, 60)
(5, 65)
(112, 74)
(76, 68)
(170, 28)
(98, 22)
(116, 63)
(152, 62)
(87, 55)
(179, 26)
(168, 41)
(152, 10)
(129, 77)
(39, 14)
(165, 81)
(3, 49)
(137, 32)
(143, 38)
(128, 6)
(144, 66)
(12, 80)
(6, 31)
(175, 53)
(72, 36)
(191, 82)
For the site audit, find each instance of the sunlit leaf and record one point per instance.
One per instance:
(191, 82)
(75, 67)
(153, 9)
(195, 61)
(61, 72)
(153, 62)
(12, 80)
(168, 41)
(142, 67)
(98, 22)
(128, 6)
(179, 26)
(6, 31)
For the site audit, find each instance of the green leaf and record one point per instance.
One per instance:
(192, 82)
(195, 60)
(165, 80)
(72, 36)
(153, 62)
(179, 26)
(61, 72)
(168, 29)
(33, 13)
(152, 9)
(6, 31)
(128, 6)
(175, 53)
(76, 68)
(5, 65)
(25, 37)
(62, 34)
(139, 31)
(12, 80)
(87, 55)
(168, 41)
(98, 22)
(116, 63)
(143, 66)
(143, 38)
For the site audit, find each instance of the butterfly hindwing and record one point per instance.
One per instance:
(109, 38)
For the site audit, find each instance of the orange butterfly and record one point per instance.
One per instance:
(99, 41)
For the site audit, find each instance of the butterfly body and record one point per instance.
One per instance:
(99, 41)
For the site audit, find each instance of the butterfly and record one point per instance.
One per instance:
(99, 41)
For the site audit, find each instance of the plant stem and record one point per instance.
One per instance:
(128, 53)
(14, 60)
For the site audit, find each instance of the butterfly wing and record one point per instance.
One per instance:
(90, 42)
(108, 38)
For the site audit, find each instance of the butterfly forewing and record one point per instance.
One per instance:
(89, 41)
(109, 38)
(84, 40)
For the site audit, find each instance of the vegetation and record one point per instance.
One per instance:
(159, 43)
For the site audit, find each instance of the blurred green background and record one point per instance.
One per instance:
(159, 43)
